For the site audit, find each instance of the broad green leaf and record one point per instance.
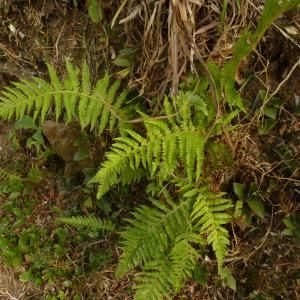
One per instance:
(122, 62)
(257, 206)
(266, 126)
(271, 112)
(25, 123)
(95, 11)
(239, 190)
(38, 137)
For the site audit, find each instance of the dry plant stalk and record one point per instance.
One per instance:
(164, 58)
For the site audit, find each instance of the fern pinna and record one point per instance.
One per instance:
(96, 107)
(164, 239)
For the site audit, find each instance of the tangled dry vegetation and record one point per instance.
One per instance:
(154, 46)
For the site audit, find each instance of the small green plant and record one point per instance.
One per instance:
(94, 107)
(292, 228)
(36, 140)
(42, 251)
(8, 178)
(250, 196)
(125, 60)
(95, 11)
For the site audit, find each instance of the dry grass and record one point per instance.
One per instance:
(10, 287)
(170, 30)
(104, 285)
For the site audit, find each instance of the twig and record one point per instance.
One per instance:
(58, 38)
(281, 84)
(265, 238)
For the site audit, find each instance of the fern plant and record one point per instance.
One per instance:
(8, 179)
(89, 222)
(164, 238)
(95, 107)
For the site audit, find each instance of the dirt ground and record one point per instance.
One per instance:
(265, 263)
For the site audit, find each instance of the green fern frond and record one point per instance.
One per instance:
(160, 240)
(183, 259)
(89, 222)
(153, 282)
(159, 277)
(209, 214)
(151, 231)
(96, 107)
(167, 146)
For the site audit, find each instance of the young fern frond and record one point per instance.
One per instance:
(96, 107)
(183, 259)
(159, 240)
(89, 221)
(154, 282)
